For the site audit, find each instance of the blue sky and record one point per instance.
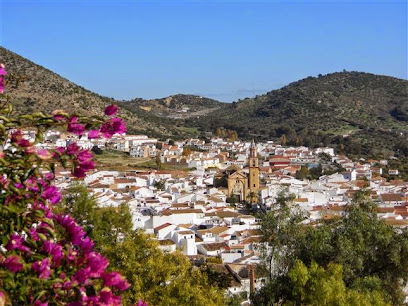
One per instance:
(221, 49)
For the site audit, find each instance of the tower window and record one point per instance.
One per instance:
(254, 185)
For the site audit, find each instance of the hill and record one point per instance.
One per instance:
(360, 113)
(177, 106)
(39, 89)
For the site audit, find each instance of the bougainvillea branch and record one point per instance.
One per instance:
(46, 257)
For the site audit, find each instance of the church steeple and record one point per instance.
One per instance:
(253, 180)
(253, 156)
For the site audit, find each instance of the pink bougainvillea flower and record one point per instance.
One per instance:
(55, 250)
(106, 297)
(19, 185)
(52, 194)
(33, 234)
(83, 163)
(2, 83)
(73, 149)
(2, 70)
(96, 263)
(92, 134)
(75, 127)
(18, 138)
(71, 255)
(113, 126)
(83, 275)
(74, 230)
(79, 172)
(116, 280)
(87, 165)
(48, 214)
(59, 115)
(111, 110)
(42, 267)
(13, 263)
(16, 243)
(141, 303)
(49, 176)
(58, 152)
(29, 150)
(44, 154)
(39, 303)
(84, 155)
(87, 245)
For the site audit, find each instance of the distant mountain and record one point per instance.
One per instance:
(177, 104)
(39, 89)
(358, 112)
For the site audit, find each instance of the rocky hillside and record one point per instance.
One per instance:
(177, 106)
(36, 88)
(359, 112)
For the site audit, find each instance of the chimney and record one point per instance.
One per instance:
(252, 279)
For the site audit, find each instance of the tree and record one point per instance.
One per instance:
(319, 286)
(298, 141)
(283, 140)
(279, 229)
(316, 172)
(216, 275)
(232, 135)
(159, 163)
(156, 277)
(219, 132)
(373, 256)
(161, 184)
(96, 150)
(252, 197)
(186, 151)
(232, 199)
(160, 278)
(303, 173)
(79, 204)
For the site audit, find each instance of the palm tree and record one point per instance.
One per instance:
(252, 197)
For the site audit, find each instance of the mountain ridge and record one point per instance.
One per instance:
(40, 89)
(357, 112)
(320, 111)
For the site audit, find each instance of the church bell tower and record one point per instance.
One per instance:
(253, 180)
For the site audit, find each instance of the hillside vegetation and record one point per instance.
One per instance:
(35, 88)
(174, 105)
(360, 113)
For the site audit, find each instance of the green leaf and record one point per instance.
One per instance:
(40, 294)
